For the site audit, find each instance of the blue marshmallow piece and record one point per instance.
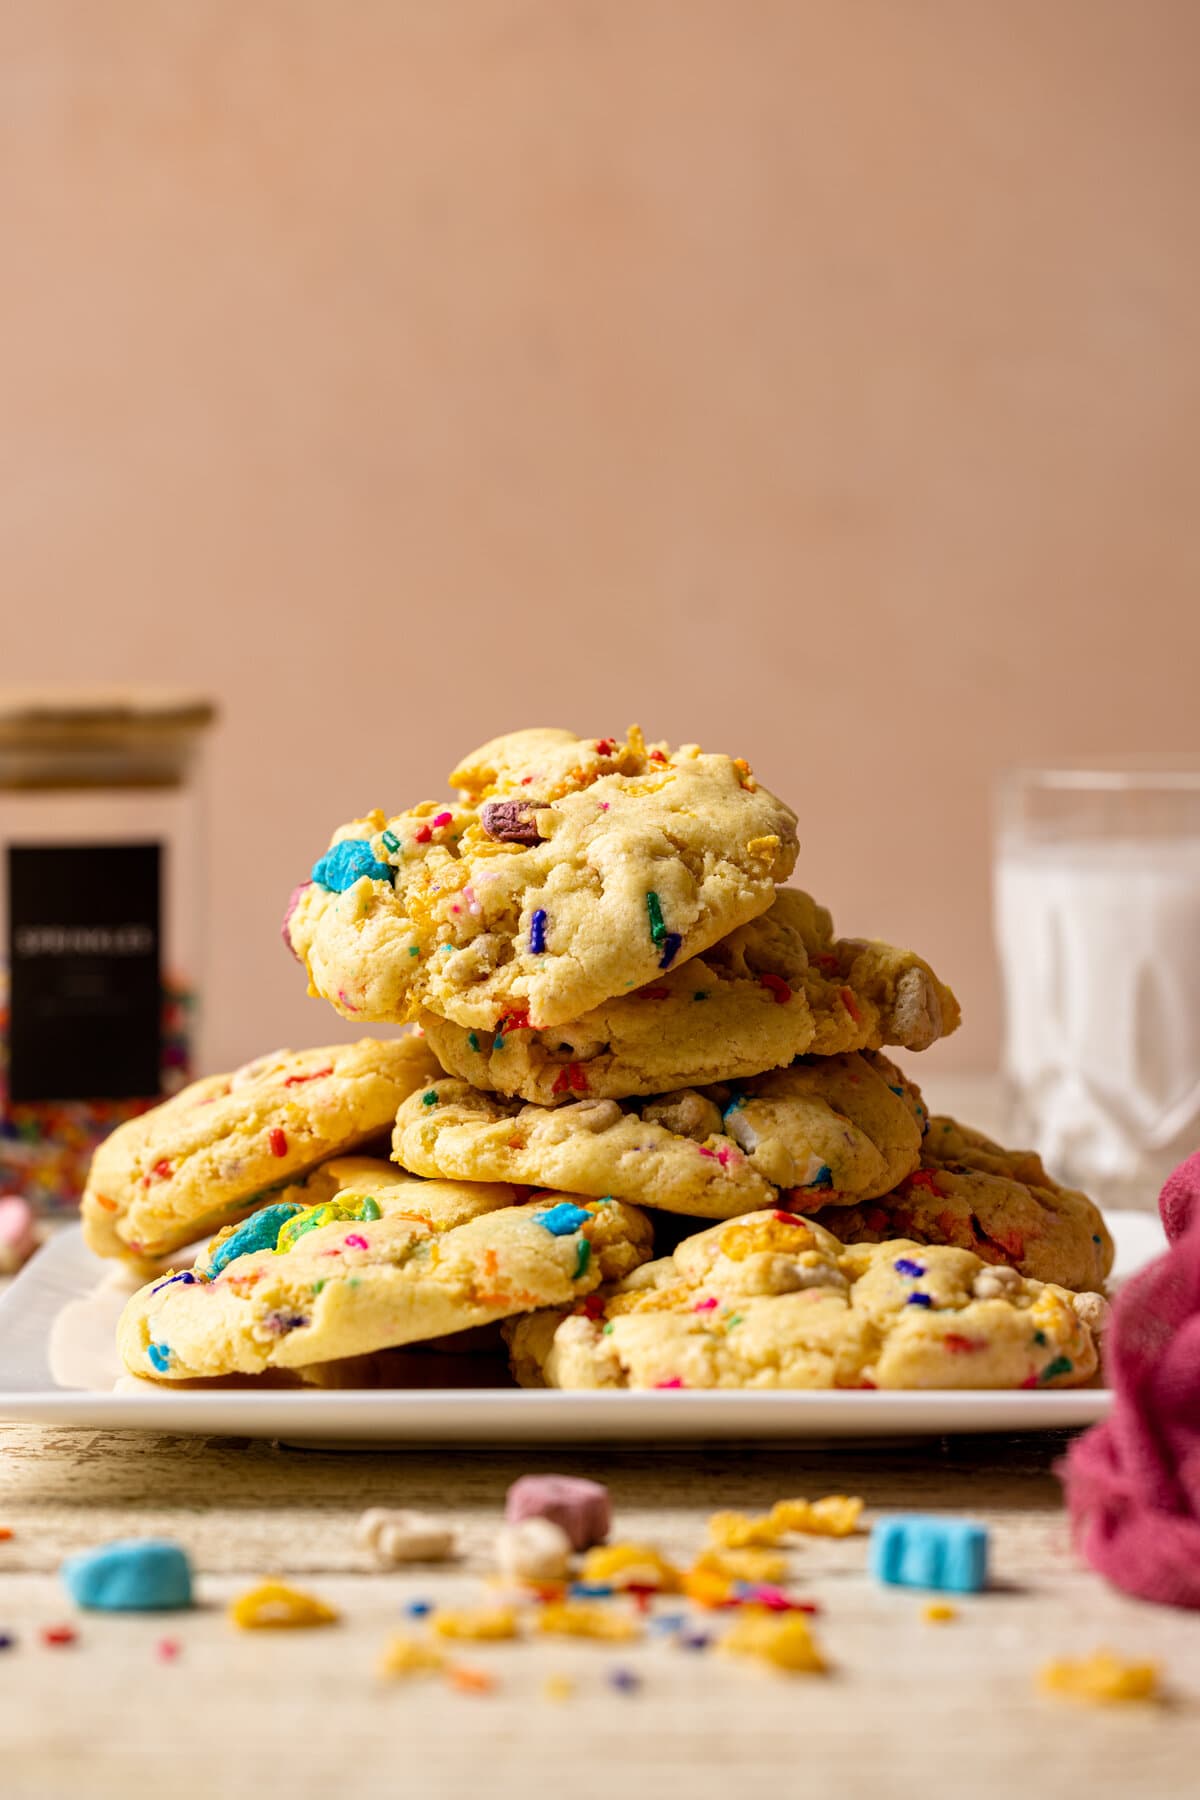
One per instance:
(347, 863)
(563, 1219)
(130, 1575)
(920, 1551)
(259, 1232)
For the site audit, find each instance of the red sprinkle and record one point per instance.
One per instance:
(355, 1241)
(924, 1179)
(606, 746)
(657, 756)
(573, 1079)
(674, 1382)
(59, 1634)
(167, 1649)
(706, 1305)
(593, 1307)
(775, 984)
(955, 1341)
(162, 1171)
(654, 993)
(518, 1021)
(278, 1143)
(785, 1218)
(422, 834)
(297, 1080)
(851, 1005)
(827, 962)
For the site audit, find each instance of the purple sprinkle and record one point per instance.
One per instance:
(7, 1640)
(537, 932)
(671, 944)
(918, 1300)
(904, 1265)
(695, 1640)
(624, 1680)
(285, 1322)
(187, 1278)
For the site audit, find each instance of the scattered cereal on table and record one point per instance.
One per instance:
(57, 1635)
(581, 1507)
(631, 1565)
(273, 1606)
(626, 1681)
(396, 1536)
(925, 1551)
(1101, 1677)
(939, 1612)
(785, 1641)
(404, 1656)
(468, 1680)
(482, 1623)
(534, 1549)
(167, 1649)
(836, 1515)
(130, 1575)
(742, 1565)
(7, 1640)
(558, 1687)
(569, 1618)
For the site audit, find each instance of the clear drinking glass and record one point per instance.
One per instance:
(1098, 922)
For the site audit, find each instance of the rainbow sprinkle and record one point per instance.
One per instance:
(537, 932)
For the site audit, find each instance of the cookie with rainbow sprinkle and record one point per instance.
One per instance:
(829, 1129)
(780, 987)
(213, 1152)
(290, 1289)
(568, 871)
(773, 1301)
(999, 1203)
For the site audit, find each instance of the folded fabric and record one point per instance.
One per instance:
(1133, 1481)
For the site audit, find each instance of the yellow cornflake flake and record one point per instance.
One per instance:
(939, 1612)
(484, 1623)
(569, 1618)
(1101, 1677)
(837, 1515)
(405, 1656)
(630, 1565)
(781, 1639)
(741, 1565)
(272, 1606)
(558, 1687)
(738, 1531)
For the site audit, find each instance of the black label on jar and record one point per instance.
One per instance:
(85, 971)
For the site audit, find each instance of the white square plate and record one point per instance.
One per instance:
(58, 1366)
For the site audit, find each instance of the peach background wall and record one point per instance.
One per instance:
(817, 379)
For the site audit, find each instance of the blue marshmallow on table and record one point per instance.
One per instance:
(130, 1575)
(922, 1551)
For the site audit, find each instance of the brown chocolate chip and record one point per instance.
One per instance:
(510, 822)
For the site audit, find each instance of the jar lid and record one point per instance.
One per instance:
(65, 716)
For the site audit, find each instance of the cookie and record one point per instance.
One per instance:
(835, 1128)
(771, 991)
(410, 1264)
(999, 1203)
(773, 1301)
(569, 871)
(215, 1150)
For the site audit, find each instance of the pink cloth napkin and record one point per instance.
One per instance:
(1133, 1481)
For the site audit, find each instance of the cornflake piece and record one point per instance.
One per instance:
(782, 1639)
(739, 1531)
(581, 1507)
(741, 1565)
(1101, 1677)
(631, 1565)
(405, 1656)
(939, 1612)
(273, 1606)
(573, 1618)
(397, 1536)
(534, 1550)
(484, 1623)
(837, 1515)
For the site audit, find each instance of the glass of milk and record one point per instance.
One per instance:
(1098, 922)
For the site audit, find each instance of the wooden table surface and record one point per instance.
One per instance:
(909, 1708)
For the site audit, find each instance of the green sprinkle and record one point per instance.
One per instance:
(1039, 1337)
(318, 1285)
(370, 1210)
(391, 841)
(429, 1099)
(605, 1330)
(353, 1281)
(605, 1200)
(473, 1040)
(1062, 1365)
(730, 1323)
(700, 994)
(583, 1257)
(413, 951)
(658, 930)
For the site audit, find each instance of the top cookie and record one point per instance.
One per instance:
(209, 1154)
(772, 1301)
(570, 870)
(780, 987)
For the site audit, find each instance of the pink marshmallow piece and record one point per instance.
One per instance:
(582, 1508)
(18, 1233)
(293, 903)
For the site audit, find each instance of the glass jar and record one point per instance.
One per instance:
(101, 916)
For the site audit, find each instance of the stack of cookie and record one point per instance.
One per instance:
(621, 1010)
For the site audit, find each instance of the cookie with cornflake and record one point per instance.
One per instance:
(369, 1271)
(773, 1301)
(829, 1129)
(214, 1151)
(568, 871)
(999, 1203)
(777, 988)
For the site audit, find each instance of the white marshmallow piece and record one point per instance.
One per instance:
(396, 1536)
(533, 1550)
